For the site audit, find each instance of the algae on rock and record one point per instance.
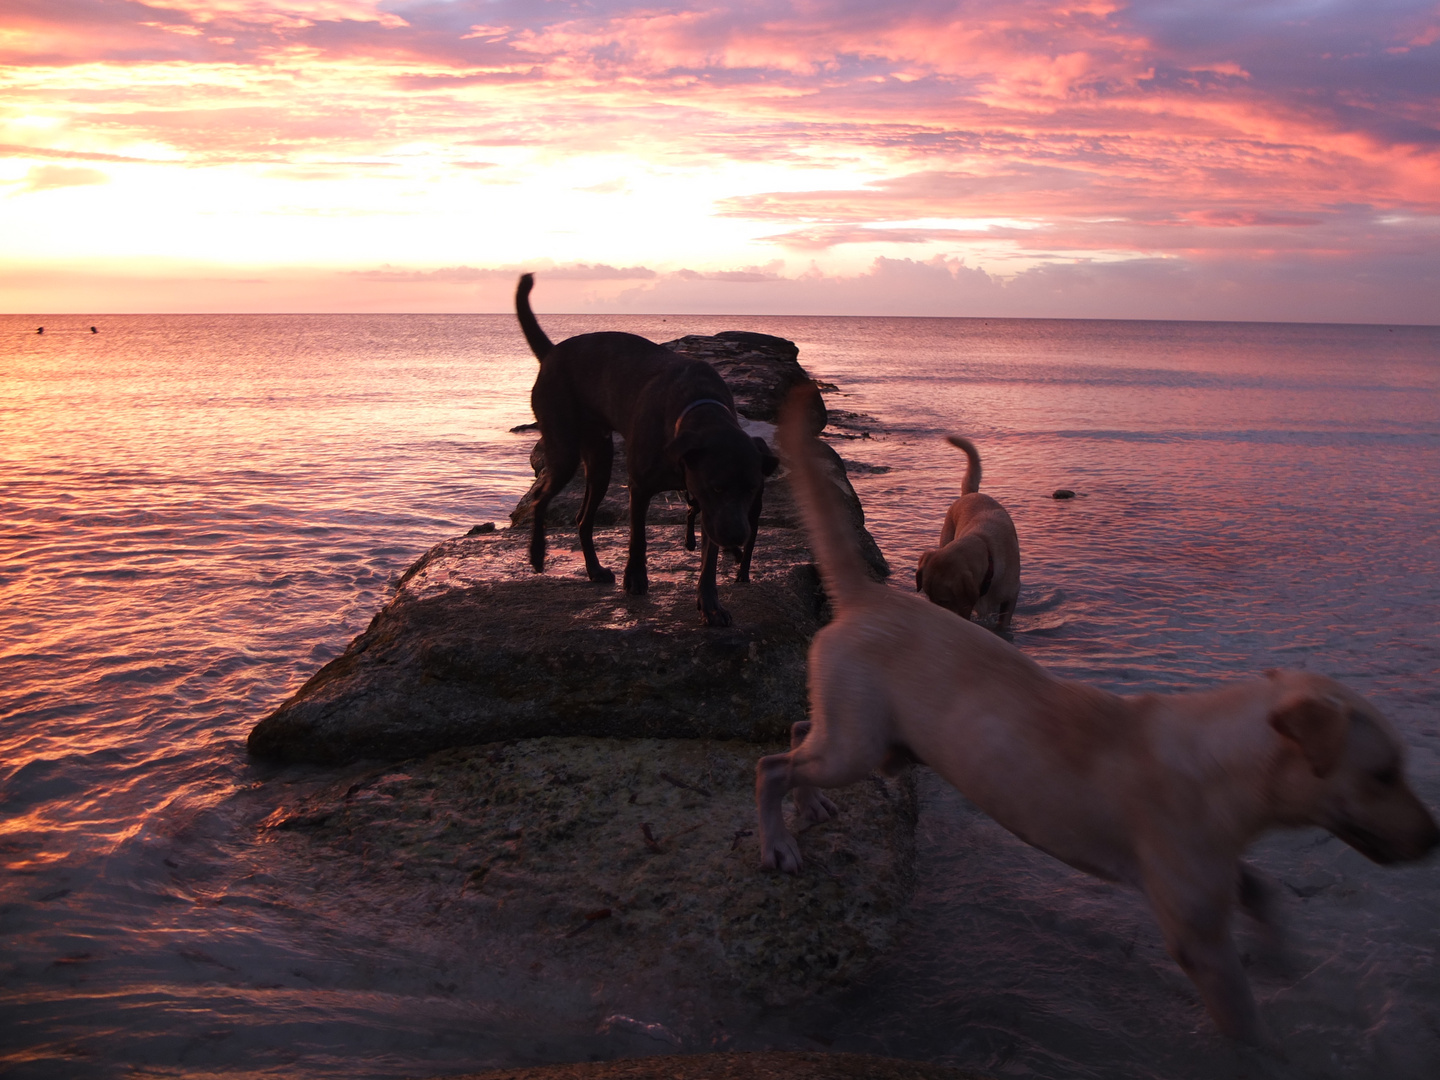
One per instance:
(636, 854)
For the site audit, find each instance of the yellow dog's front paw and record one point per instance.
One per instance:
(783, 854)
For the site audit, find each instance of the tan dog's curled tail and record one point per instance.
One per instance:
(971, 483)
(832, 538)
(540, 345)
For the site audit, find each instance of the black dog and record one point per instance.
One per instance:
(681, 434)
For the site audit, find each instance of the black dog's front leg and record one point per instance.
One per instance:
(637, 580)
(742, 576)
(690, 515)
(537, 535)
(709, 599)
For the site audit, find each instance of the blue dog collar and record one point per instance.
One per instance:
(696, 405)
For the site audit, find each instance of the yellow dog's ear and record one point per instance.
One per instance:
(925, 557)
(1317, 727)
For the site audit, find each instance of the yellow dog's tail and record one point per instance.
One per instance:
(971, 483)
(832, 537)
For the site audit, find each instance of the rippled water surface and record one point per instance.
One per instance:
(196, 512)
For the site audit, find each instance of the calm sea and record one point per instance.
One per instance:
(198, 511)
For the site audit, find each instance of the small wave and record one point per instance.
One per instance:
(42, 780)
(1041, 626)
(122, 573)
(1277, 437)
(1035, 599)
(144, 675)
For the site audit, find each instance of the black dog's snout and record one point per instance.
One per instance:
(731, 535)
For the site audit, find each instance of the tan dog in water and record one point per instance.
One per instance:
(976, 568)
(1163, 792)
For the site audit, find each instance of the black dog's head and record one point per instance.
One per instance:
(725, 470)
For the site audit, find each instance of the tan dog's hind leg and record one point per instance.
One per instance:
(1258, 898)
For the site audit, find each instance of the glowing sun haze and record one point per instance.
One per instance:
(1181, 159)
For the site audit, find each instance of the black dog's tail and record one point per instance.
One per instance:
(540, 345)
(971, 483)
(832, 537)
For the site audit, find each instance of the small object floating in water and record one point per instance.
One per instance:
(1063, 493)
(93, 330)
(41, 330)
(487, 527)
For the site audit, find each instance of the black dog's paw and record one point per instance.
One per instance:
(636, 584)
(601, 576)
(742, 576)
(718, 617)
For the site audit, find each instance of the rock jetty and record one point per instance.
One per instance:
(575, 772)
(476, 647)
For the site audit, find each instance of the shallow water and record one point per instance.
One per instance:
(199, 511)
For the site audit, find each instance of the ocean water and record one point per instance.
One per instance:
(198, 511)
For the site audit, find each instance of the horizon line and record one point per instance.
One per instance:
(700, 315)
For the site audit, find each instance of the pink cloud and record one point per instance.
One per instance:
(466, 274)
(1398, 284)
(1176, 129)
(1236, 287)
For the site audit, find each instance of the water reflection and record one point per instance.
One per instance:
(199, 511)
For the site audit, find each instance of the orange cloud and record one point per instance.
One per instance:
(48, 177)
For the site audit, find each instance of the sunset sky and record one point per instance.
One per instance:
(1190, 159)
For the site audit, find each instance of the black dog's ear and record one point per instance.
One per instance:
(925, 557)
(682, 446)
(768, 461)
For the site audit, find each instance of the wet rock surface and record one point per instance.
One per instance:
(632, 858)
(782, 1065)
(476, 647)
(759, 369)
